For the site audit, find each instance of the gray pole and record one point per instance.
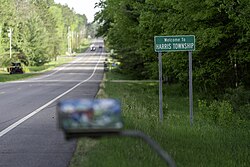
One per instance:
(160, 86)
(77, 36)
(10, 43)
(69, 41)
(190, 87)
(10, 36)
(72, 41)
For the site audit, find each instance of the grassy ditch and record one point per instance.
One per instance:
(203, 144)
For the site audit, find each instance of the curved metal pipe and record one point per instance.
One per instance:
(152, 144)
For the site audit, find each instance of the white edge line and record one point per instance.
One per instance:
(14, 125)
(59, 69)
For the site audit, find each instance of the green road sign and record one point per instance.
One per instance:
(174, 43)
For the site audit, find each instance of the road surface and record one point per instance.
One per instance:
(29, 136)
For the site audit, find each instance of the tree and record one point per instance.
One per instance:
(34, 44)
(40, 30)
(221, 59)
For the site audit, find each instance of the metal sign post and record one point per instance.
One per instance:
(160, 86)
(190, 87)
(173, 44)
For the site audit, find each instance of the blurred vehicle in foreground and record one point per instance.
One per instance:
(97, 118)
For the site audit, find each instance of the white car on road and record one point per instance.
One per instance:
(92, 47)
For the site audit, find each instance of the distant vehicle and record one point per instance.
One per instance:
(15, 68)
(100, 46)
(92, 47)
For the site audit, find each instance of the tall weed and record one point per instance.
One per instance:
(219, 112)
(239, 98)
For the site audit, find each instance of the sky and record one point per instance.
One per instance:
(82, 7)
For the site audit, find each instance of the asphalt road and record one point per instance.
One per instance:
(29, 136)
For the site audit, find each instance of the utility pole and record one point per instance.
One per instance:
(72, 41)
(10, 36)
(69, 41)
(77, 40)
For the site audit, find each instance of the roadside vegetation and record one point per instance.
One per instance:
(221, 61)
(40, 31)
(31, 71)
(221, 79)
(218, 137)
(36, 33)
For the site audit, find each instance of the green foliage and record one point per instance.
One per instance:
(40, 30)
(240, 100)
(218, 112)
(221, 59)
(5, 62)
(34, 42)
(244, 111)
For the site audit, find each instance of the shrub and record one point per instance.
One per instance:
(244, 112)
(25, 68)
(219, 112)
(239, 98)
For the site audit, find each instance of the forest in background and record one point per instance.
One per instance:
(41, 30)
(221, 28)
(221, 61)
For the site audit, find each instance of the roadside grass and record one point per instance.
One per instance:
(48, 66)
(113, 74)
(5, 77)
(34, 70)
(202, 144)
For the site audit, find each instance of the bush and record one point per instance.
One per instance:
(244, 112)
(25, 68)
(219, 112)
(6, 62)
(239, 98)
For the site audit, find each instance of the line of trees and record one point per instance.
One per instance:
(222, 30)
(41, 30)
